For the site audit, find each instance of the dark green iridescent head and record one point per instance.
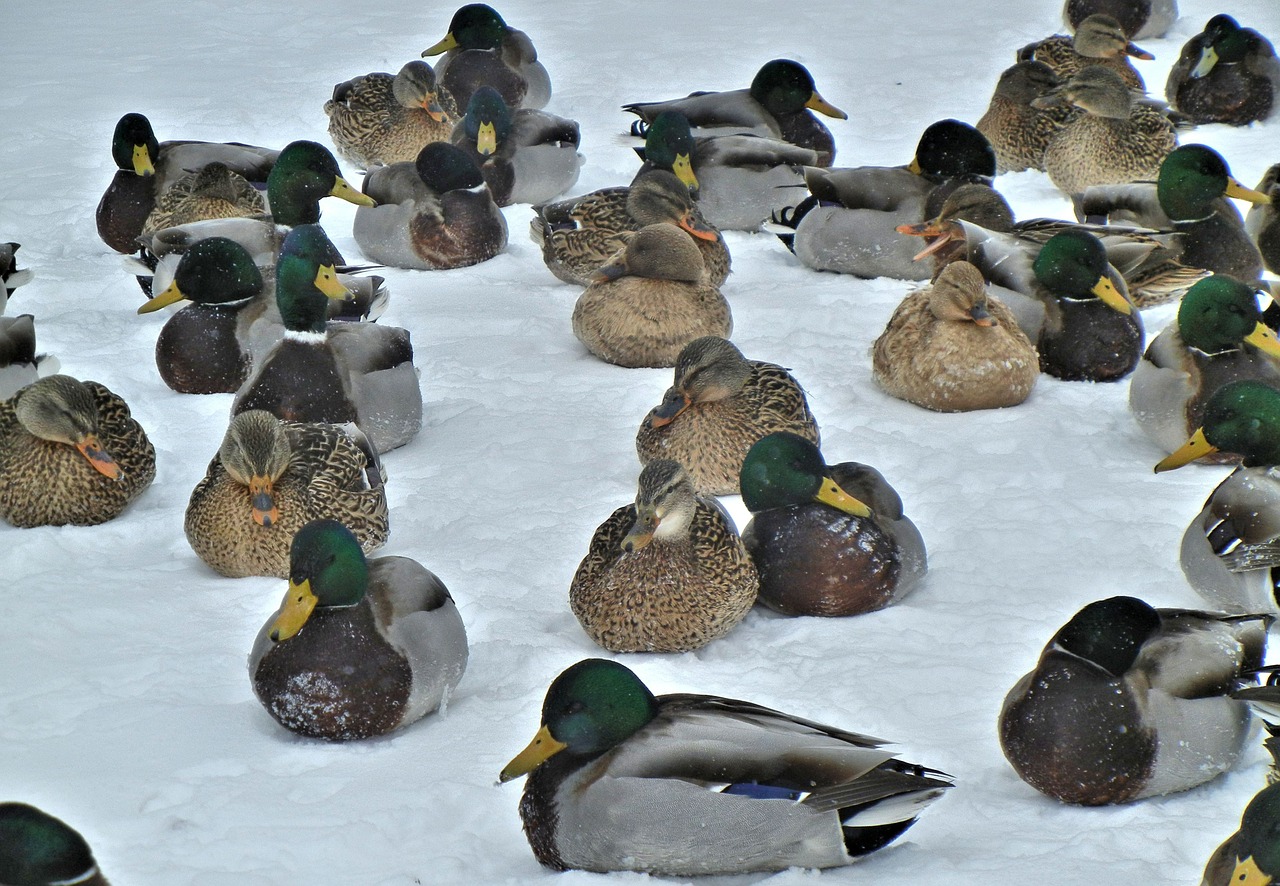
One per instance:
(1243, 417)
(1109, 633)
(781, 470)
(306, 252)
(1191, 178)
(37, 849)
(1229, 41)
(327, 554)
(668, 137)
(487, 108)
(595, 705)
(304, 174)
(1218, 314)
(477, 26)
(218, 270)
(1071, 263)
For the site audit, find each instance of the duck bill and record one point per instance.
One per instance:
(831, 494)
(486, 140)
(102, 462)
(265, 512)
(142, 164)
(327, 282)
(297, 607)
(683, 168)
(1111, 297)
(1196, 447)
(696, 228)
(641, 533)
(914, 166)
(942, 237)
(1264, 339)
(1240, 192)
(1247, 873)
(431, 104)
(446, 43)
(611, 270)
(540, 750)
(1137, 52)
(342, 190)
(171, 295)
(669, 409)
(822, 106)
(1208, 59)
(980, 317)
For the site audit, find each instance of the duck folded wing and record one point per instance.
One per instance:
(748, 150)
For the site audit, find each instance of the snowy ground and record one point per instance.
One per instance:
(125, 706)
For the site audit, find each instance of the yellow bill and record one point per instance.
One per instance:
(1111, 297)
(343, 190)
(1240, 192)
(171, 295)
(832, 494)
(540, 750)
(294, 611)
(1264, 339)
(486, 139)
(446, 43)
(683, 168)
(327, 282)
(142, 164)
(1196, 447)
(822, 106)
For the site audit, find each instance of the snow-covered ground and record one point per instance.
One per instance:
(125, 704)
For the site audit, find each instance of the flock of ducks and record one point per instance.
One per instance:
(1126, 702)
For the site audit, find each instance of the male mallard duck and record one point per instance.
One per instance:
(1189, 196)
(11, 276)
(719, 404)
(1225, 74)
(1018, 130)
(70, 452)
(1128, 702)
(1218, 336)
(481, 49)
(687, 785)
(951, 348)
(359, 647)
(360, 372)
(1263, 221)
(578, 235)
(1099, 40)
(20, 365)
(436, 212)
(1265, 702)
(211, 192)
(826, 539)
(1139, 19)
(649, 301)
(37, 849)
(526, 155)
(385, 118)
(1252, 853)
(665, 574)
(269, 479)
(148, 167)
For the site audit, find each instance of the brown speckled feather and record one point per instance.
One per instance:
(368, 125)
(212, 192)
(1094, 150)
(637, 321)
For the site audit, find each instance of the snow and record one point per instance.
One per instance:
(125, 703)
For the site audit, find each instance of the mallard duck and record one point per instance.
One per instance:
(1098, 40)
(385, 118)
(718, 405)
(1140, 19)
(1225, 74)
(1265, 702)
(37, 849)
(1263, 221)
(11, 276)
(1017, 130)
(687, 785)
(1218, 336)
(665, 574)
(70, 452)
(211, 192)
(1128, 702)
(578, 235)
(147, 168)
(649, 301)
(270, 478)
(435, 212)
(481, 49)
(20, 365)
(1189, 196)
(826, 539)
(849, 223)
(360, 372)
(1252, 853)
(359, 647)
(951, 348)
(526, 156)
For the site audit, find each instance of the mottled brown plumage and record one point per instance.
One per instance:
(383, 118)
(1019, 131)
(212, 192)
(1099, 40)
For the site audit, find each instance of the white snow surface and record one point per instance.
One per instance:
(125, 702)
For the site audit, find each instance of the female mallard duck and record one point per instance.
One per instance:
(480, 49)
(526, 156)
(578, 235)
(687, 785)
(1218, 336)
(435, 212)
(359, 647)
(1018, 130)
(37, 849)
(360, 372)
(269, 479)
(1263, 221)
(649, 301)
(11, 276)
(1099, 40)
(212, 192)
(951, 348)
(827, 540)
(1128, 702)
(1139, 19)
(20, 365)
(385, 118)
(70, 452)
(719, 404)
(148, 167)
(1225, 74)
(1252, 853)
(665, 574)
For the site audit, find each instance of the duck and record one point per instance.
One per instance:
(270, 478)
(382, 118)
(951, 347)
(1228, 551)
(687, 785)
(361, 372)
(70, 452)
(20, 365)
(717, 406)
(1219, 335)
(827, 540)
(580, 234)
(1262, 223)
(214, 191)
(1265, 702)
(11, 276)
(1189, 196)
(1140, 19)
(668, 573)
(649, 301)
(1099, 40)
(434, 213)
(1116, 140)
(1017, 130)
(848, 223)
(1129, 702)
(480, 49)
(1225, 74)
(147, 167)
(360, 647)
(37, 849)
(1250, 855)
(525, 155)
